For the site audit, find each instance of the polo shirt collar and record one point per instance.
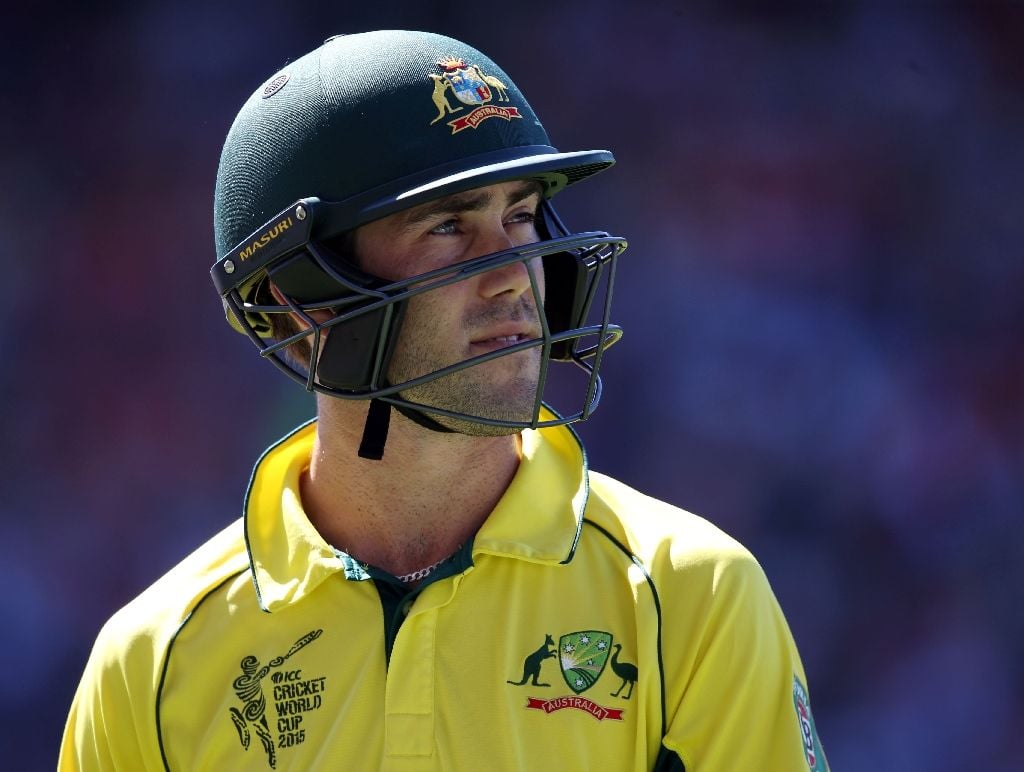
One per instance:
(540, 515)
(537, 519)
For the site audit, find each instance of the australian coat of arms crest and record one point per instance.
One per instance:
(472, 88)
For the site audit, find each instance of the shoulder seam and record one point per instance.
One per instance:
(657, 607)
(167, 660)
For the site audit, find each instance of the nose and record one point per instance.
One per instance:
(514, 278)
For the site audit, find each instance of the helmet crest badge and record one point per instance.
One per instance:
(472, 88)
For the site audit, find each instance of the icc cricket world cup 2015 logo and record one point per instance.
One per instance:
(293, 696)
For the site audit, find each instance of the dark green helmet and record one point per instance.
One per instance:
(385, 120)
(365, 126)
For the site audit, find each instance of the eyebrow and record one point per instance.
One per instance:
(470, 201)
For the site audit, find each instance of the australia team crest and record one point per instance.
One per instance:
(472, 88)
(582, 657)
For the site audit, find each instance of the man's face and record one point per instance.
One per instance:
(471, 317)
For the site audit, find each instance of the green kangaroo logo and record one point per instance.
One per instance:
(532, 663)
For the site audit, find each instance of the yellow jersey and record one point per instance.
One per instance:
(586, 627)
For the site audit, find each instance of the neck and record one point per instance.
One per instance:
(429, 494)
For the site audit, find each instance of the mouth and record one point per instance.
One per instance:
(496, 342)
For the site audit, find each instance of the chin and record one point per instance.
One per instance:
(479, 396)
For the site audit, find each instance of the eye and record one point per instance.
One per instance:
(527, 216)
(447, 228)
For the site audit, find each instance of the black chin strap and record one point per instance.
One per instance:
(423, 419)
(378, 421)
(375, 432)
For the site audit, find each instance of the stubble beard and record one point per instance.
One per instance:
(504, 388)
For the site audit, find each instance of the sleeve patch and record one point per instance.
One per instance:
(808, 734)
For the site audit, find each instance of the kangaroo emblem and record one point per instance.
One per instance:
(532, 663)
(440, 99)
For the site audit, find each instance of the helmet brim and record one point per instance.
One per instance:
(554, 170)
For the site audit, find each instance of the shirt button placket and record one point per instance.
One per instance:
(409, 694)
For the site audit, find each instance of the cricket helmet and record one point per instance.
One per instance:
(365, 126)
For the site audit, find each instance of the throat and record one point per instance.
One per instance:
(413, 508)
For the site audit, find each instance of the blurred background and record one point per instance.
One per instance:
(823, 302)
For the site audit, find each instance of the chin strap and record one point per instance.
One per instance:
(423, 419)
(378, 421)
(375, 432)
